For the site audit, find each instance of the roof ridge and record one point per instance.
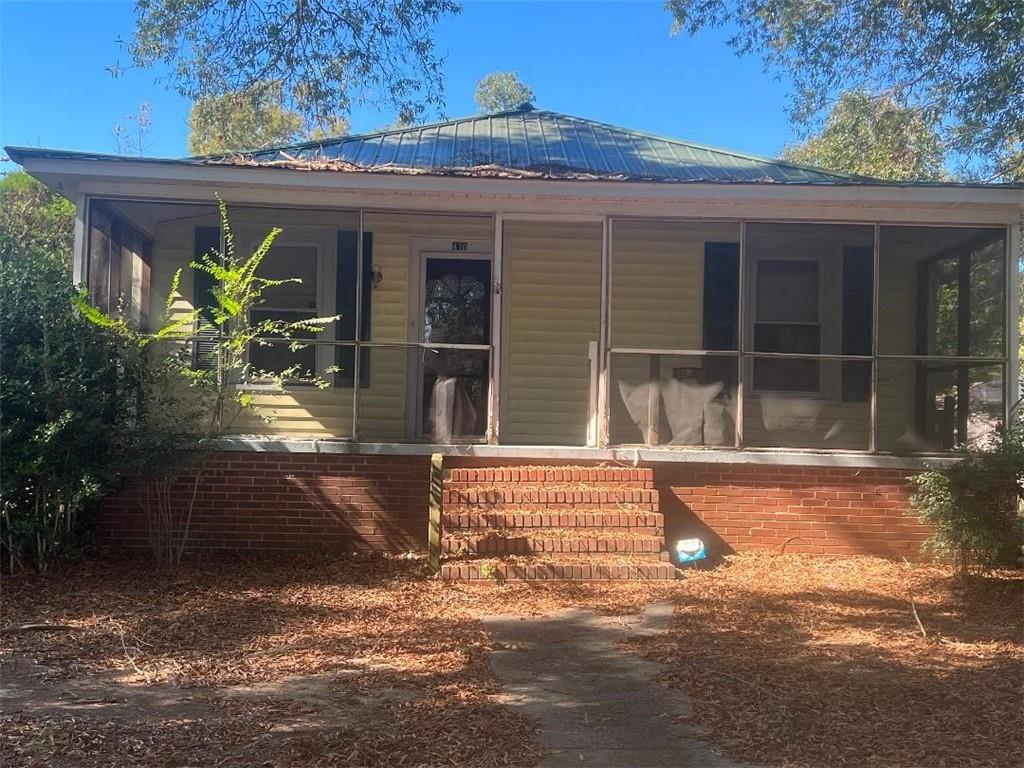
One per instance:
(334, 140)
(706, 147)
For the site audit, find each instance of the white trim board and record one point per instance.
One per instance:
(631, 456)
(890, 203)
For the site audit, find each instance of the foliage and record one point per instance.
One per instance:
(502, 91)
(327, 55)
(132, 138)
(238, 289)
(34, 220)
(874, 137)
(179, 409)
(62, 396)
(973, 505)
(254, 118)
(959, 63)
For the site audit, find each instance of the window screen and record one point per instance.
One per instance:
(294, 299)
(787, 318)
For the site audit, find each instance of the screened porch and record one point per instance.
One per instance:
(537, 330)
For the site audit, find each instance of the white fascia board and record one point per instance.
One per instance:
(424, 192)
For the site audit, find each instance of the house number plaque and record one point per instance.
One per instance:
(460, 245)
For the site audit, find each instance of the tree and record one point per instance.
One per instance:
(133, 138)
(255, 118)
(501, 91)
(959, 63)
(32, 218)
(326, 54)
(874, 137)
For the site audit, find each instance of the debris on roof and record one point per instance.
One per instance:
(531, 143)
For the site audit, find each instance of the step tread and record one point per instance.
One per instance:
(547, 474)
(557, 569)
(547, 533)
(477, 519)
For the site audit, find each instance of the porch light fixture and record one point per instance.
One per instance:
(376, 277)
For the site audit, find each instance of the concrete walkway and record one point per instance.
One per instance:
(596, 704)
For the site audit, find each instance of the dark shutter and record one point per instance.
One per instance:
(721, 309)
(344, 357)
(721, 295)
(207, 239)
(858, 298)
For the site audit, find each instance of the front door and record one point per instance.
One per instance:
(456, 309)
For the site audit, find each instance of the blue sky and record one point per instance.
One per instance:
(611, 61)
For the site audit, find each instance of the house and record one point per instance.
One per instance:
(615, 339)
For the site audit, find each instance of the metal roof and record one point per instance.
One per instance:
(520, 143)
(538, 143)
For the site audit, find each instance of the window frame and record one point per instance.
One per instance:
(325, 270)
(830, 294)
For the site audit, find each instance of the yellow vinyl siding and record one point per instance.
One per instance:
(553, 299)
(897, 322)
(308, 411)
(658, 282)
(552, 302)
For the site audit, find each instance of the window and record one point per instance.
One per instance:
(787, 318)
(292, 300)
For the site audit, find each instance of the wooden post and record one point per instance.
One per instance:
(654, 400)
(434, 528)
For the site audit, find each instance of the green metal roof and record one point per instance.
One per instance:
(536, 142)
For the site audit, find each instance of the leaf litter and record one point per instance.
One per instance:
(789, 661)
(808, 662)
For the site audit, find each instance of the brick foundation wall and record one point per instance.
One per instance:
(829, 510)
(315, 502)
(280, 501)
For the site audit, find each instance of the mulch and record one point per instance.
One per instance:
(796, 661)
(242, 622)
(790, 661)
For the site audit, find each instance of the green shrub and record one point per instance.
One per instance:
(60, 398)
(974, 506)
(32, 218)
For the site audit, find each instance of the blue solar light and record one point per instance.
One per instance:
(690, 550)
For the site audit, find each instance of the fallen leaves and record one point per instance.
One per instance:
(801, 661)
(789, 660)
(352, 628)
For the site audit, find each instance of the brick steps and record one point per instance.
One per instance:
(548, 476)
(552, 569)
(552, 523)
(551, 498)
(647, 547)
(635, 520)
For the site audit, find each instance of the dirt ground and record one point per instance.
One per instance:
(788, 661)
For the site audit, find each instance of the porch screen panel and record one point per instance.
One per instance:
(943, 297)
(942, 291)
(675, 289)
(552, 293)
(346, 278)
(390, 402)
(809, 299)
(207, 241)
